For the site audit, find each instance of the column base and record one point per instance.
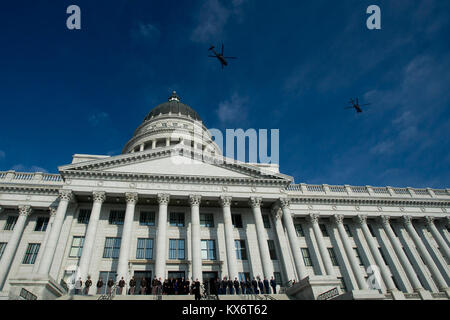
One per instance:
(397, 295)
(315, 288)
(424, 294)
(447, 292)
(361, 295)
(38, 287)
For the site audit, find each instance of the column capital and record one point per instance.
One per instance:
(255, 202)
(131, 197)
(66, 195)
(195, 199)
(99, 196)
(285, 203)
(407, 220)
(163, 198)
(361, 219)
(52, 211)
(429, 220)
(313, 218)
(25, 210)
(338, 219)
(225, 201)
(385, 220)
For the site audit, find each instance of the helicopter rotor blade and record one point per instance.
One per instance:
(212, 56)
(230, 57)
(366, 104)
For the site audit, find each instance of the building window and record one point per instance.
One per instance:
(176, 249)
(207, 220)
(41, 224)
(208, 250)
(272, 251)
(147, 218)
(176, 219)
(237, 220)
(112, 248)
(382, 255)
(277, 277)
(343, 286)
(299, 230)
(144, 248)
(77, 247)
(358, 257)
(116, 217)
(266, 221)
(323, 228)
(243, 276)
(347, 229)
(2, 248)
(10, 222)
(31, 253)
(84, 215)
(394, 230)
(333, 258)
(241, 251)
(306, 257)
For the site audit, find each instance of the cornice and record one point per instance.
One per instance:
(30, 189)
(370, 201)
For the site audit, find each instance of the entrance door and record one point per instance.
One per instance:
(138, 275)
(208, 277)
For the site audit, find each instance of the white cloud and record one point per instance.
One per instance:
(230, 110)
(2, 154)
(145, 32)
(22, 168)
(97, 118)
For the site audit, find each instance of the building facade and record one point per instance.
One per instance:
(171, 206)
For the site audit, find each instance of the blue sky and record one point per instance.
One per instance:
(64, 92)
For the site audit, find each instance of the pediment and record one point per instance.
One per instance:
(173, 162)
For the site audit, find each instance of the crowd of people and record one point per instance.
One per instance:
(182, 286)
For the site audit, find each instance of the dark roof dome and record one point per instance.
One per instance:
(173, 106)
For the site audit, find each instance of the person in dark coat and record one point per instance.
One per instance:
(87, 285)
(121, 285)
(236, 286)
(196, 289)
(248, 286)
(212, 287)
(242, 285)
(261, 286)
(132, 286)
(273, 284)
(143, 286)
(230, 286)
(99, 286)
(224, 285)
(266, 286)
(110, 285)
(218, 288)
(255, 286)
(186, 286)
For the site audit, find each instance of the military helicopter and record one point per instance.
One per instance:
(356, 105)
(220, 56)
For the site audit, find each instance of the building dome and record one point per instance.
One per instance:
(171, 123)
(173, 106)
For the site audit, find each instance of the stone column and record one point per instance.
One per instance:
(153, 144)
(293, 241)
(91, 233)
(410, 273)
(194, 200)
(267, 264)
(438, 237)
(314, 219)
(47, 233)
(437, 277)
(49, 251)
(13, 243)
(161, 254)
(390, 286)
(167, 142)
(362, 284)
(125, 244)
(142, 147)
(225, 202)
(286, 260)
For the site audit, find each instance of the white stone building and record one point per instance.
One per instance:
(170, 205)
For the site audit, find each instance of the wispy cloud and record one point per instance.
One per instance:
(23, 168)
(2, 155)
(97, 118)
(213, 17)
(145, 33)
(230, 110)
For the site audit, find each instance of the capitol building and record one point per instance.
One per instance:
(171, 206)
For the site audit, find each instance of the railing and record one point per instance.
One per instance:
(366, 190)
